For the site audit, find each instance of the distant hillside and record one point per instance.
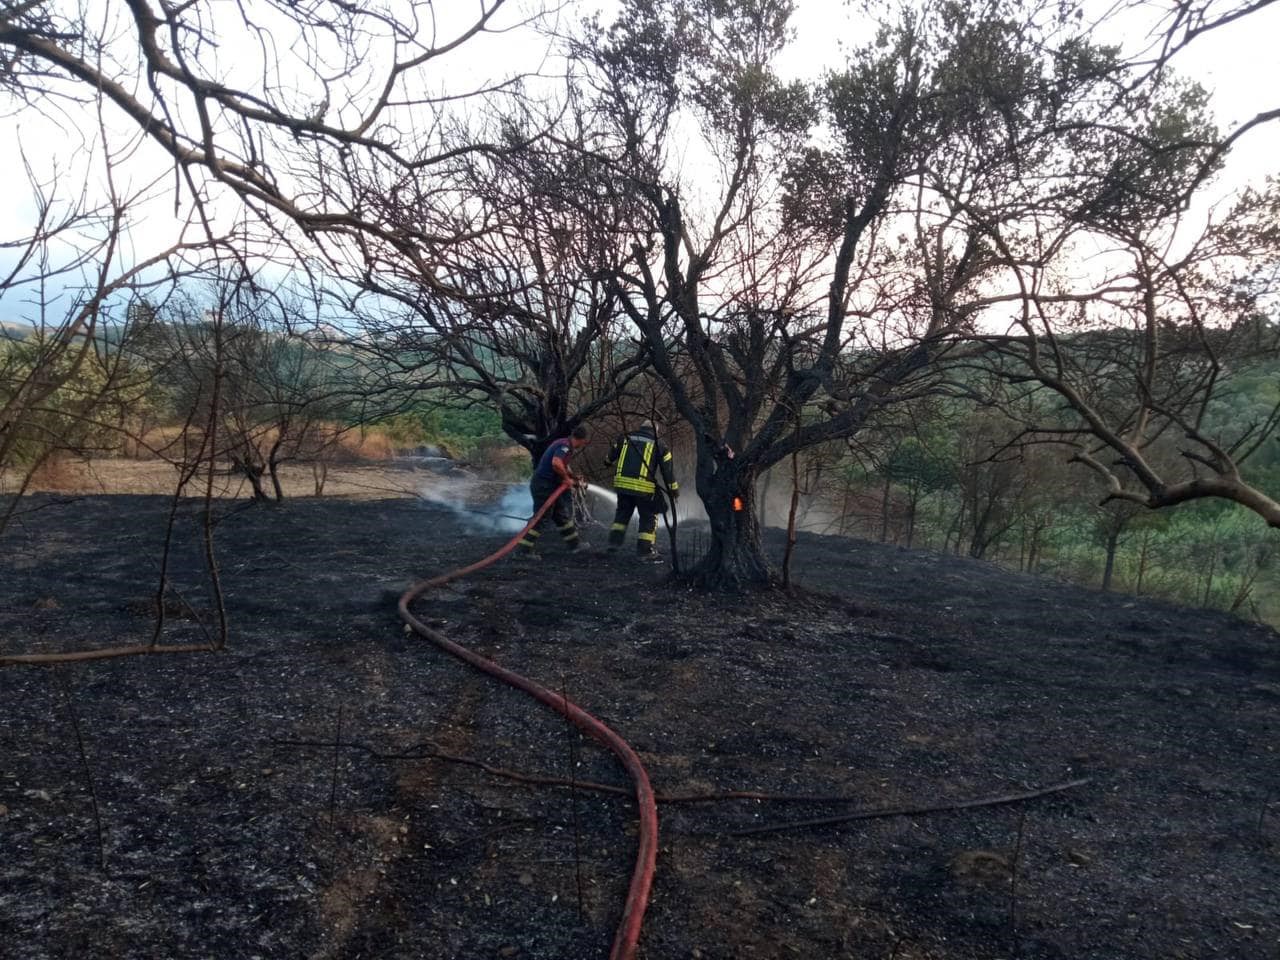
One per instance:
(11, 330)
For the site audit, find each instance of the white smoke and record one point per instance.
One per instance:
(486, 506)
(481, 506)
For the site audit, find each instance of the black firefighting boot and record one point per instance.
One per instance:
(527, 547)
(617, 533)
(569, 534)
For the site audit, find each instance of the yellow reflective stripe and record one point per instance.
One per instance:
(618, 475)
(647, 537)
(667, 458)
(618, 526)
(674, 486)
(635, 484)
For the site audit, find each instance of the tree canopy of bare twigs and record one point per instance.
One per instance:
(269, 116)
(209, 137)
(269, 99)
(517, 313)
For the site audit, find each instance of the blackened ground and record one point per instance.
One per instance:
(891, 677)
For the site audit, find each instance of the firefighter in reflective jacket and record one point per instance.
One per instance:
(636, 458)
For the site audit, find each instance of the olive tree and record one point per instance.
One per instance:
(842, 254)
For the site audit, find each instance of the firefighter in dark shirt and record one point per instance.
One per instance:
(637, 457)
(553, 470)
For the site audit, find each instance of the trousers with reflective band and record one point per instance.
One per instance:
(648, 506)
(560, 515)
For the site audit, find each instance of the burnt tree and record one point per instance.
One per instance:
(829, 275)
(515, 311)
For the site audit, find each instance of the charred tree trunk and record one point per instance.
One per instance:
(1109, 566)
(736, 557)
(1033, 551)
(273, 469)
(791, 520)
(979, 542)
(252, 472)
(884, 508)
(913, 506)
(1208, 580)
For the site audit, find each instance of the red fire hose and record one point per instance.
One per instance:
(624, 941)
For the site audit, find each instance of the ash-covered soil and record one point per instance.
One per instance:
(288, 797)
